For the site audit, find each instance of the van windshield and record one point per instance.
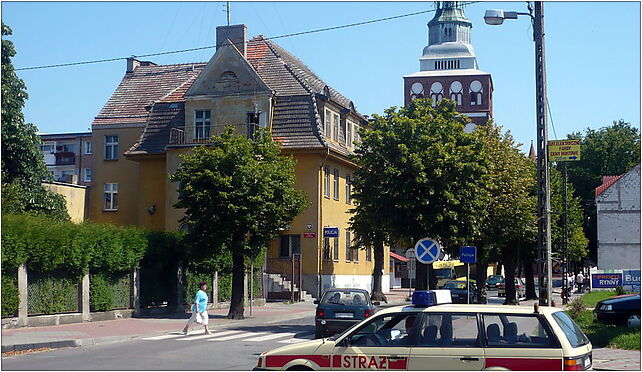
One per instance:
(443, 273)
(573, 333)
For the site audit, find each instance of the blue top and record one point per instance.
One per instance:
(201, 300)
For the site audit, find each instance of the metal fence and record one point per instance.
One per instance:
(52, 293)
(120, 285)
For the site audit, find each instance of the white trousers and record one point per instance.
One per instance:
(192, 319)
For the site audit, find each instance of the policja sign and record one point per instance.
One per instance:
(468, 255)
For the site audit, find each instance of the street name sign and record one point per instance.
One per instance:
(330, 232)
(564, 150)
(427, 250)
(468, 254)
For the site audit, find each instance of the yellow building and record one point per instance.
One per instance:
(158, 113)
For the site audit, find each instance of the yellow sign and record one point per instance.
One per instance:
(564, 150)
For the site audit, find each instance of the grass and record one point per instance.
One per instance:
(606, 335)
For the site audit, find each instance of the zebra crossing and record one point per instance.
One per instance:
(238, 335)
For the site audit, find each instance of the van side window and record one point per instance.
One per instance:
(516, 330)
(449, 330)
(391, 330)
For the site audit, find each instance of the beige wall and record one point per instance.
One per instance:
(75, 198)
(151, 201)
(172, 215)
(122, 171)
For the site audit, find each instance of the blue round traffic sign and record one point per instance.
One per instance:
(427, 250)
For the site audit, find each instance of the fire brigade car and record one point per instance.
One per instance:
(434, 334)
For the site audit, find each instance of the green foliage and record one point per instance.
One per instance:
(619, 290)
(606, 335)
(48, 245)
(419, 173)
(100, 294)
(10, 298)
(576, 307)
(592, 298)
(577, 241)
(23, 166)
(52, 293)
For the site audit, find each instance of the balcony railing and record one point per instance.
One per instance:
(65, 158)
(187, 135)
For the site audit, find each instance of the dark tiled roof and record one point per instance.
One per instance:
(296, 121)
(142, 88)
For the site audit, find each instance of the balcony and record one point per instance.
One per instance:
(189, 135)
(65, 158)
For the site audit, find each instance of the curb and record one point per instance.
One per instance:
(37, 345)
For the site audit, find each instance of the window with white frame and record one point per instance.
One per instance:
(88, 148)
(335, 126)
(47, 149)
(336, 248)
(328, 123)
(88, 174)
(202, 123)
(326, 249)
(348, 188)
(344, 132)
(368, 253)
(111, 197)
(475, 91)
(336, 184)
(349, 139)
(290, 244)
(348, 246)
(253, 120)
(326, 182)
(111, 147)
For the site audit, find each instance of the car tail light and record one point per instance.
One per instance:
(367, 313)
(580, 363)
(320, 313)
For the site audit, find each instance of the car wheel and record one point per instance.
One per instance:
(299, 368)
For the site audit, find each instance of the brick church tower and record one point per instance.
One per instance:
(448, 67)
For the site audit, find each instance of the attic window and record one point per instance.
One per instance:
(326, 91)
(228, 76)
(173, 105)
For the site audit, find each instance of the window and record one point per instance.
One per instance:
(326, 249)
(253, 120)
(513, 331)
(573, 333)
(202, 122)
(476, 93)
(335, 250)
(368, 253)
(88, 148)
(48, 149)
(335, 126)
(436, 93)
(348, 248)
(355, 253)
(111, 147)
(327, 124)
(344, 132)
(326, 182)
(449, 330)
(336, 184)
(349, 134)
(290, 244)
(390, 330)
(111, 197)
(348, 189)
(66, 148)
(87, 177)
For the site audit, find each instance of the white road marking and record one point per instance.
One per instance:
(271, 336)
(246, 334)
(163, 337)
(215, 334)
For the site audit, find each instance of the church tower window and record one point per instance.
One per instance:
(436, 93)
(475, 93)
(456, 92)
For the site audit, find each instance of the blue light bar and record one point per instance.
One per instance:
(431, 298)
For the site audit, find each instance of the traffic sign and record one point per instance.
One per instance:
(410, 254)
(468, 254)
(427, 250)
(330, 232)
(564, 150)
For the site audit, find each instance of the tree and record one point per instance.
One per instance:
(23, 166)
(419, 175)
(237, 192)
(509, 226)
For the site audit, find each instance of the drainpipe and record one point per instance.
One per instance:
(321, 239)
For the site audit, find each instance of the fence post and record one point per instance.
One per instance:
(23, 312)
(245, 293)
(84, 297)
(179, 287)
(134, 290)
(215, 288)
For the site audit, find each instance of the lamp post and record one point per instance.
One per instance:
(544, 262)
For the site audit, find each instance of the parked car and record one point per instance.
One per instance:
(458, 291)
(493, 280)
(618, 309)
(520, 289)
(341, 308)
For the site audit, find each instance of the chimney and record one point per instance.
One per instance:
(237, 34)
(132, 63)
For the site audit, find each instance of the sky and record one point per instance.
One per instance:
(592, 54)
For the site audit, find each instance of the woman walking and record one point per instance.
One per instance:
(199, 309)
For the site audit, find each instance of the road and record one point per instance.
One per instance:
(233, 348)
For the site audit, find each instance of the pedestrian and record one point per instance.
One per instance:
(579, 279)
(199, 309)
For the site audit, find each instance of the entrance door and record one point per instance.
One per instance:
(382, 343)
(448, 342)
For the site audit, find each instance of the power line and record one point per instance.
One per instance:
(214, 46)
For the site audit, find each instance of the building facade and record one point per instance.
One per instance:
(159, 112)
(618, 221)
(448, 67)
(68, 157)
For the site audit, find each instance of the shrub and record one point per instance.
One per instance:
(52, 293)
(100, 294)
(576, 307)
(619, 290)
(10, 298)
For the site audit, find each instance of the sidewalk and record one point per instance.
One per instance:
(104, 332)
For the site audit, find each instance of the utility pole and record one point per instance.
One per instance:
(565, 236)
(544, 261)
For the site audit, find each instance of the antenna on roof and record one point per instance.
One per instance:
(227, 10)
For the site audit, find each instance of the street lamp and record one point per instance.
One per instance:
(544, 262)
